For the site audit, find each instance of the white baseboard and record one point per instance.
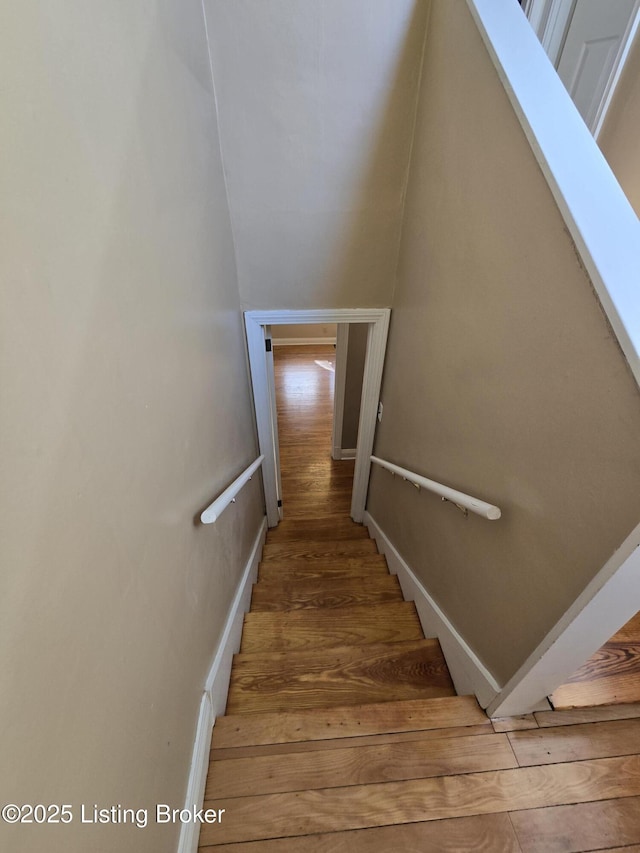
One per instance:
(349, 453)
(295, 342)
(467, 671)
(190, 832)
(214, 698)
(217, 684)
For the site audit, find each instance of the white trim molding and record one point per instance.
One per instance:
(606, 234)
(558, 20)
(608, 602)
(190, 831)
(468, 672)
(378, 322)
(537, 11)
(217, 684)
(214, 698)
(348, 453)
(339, 388)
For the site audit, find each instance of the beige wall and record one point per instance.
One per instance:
(293, 331)
(356, 355)
(316, 105)
(125, 409)
(502, 377)
(620, 136)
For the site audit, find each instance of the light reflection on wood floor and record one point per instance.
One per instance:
(312, 482)
(610, 676)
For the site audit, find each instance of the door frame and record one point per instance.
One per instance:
(551, 20)
(339, 388)
(255, 323)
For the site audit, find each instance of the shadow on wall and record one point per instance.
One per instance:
(365, 257)
(317, 106)
(129, 407)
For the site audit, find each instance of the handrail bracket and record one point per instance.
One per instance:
(462, 509)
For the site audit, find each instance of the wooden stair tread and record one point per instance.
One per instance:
(332, 573)
(334, 527)
(322, 773)
(299, 630)
(344, 742)
(334, 563)
(339, 655)
(312, 512)
(370, 564)
(340, 676)
(598, 714)
(358, 765)
(492, 833)
(334, 593)
(623, 687)
(319, 519)
(386, 803)
(314, 549)
(348, 721)
(333, 493)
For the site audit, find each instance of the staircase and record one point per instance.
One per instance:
(303, 648)
(343, 733)
(335, 693)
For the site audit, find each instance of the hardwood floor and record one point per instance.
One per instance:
(343, 733)
(610, 676)
(313, 484)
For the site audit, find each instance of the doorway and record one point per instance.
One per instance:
(261, 367)
(588, 42)
(313, 483)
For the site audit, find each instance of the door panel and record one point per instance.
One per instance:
(593, 44)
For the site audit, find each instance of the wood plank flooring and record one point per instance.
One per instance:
(343, 733)
(611, 675)
(341, 675)
(349, 626)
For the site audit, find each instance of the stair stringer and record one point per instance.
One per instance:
(468, 673)
(216, 688)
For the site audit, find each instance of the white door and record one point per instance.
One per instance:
(595, 39)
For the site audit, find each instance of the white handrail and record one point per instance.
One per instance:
(215, 510)
(465, 502)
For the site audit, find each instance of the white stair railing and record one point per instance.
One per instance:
(215, 509)
(462, 501)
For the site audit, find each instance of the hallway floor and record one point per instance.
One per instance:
(342, 731)
(610, 676)
(312, 482)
